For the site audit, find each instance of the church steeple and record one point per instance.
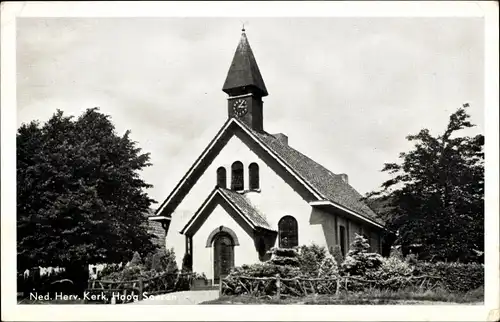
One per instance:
(245, 86)
(244, 74)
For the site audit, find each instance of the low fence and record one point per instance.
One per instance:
(300, 286)
(103, 291)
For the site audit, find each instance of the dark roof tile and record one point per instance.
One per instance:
(330, 185)
(245, 206)
(155, 228)
(244, 71)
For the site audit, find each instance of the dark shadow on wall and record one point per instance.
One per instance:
(264, 240)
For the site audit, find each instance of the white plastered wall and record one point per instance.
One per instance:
(275, 200)
(244, 253)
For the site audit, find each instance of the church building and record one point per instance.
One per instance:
(249, 190)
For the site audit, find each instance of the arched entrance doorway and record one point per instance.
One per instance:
(223, 255)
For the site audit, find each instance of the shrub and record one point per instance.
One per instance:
(199, 276)
(265, 270)
(166, 261)
(310, 259)
(284, 256)
(337, 254)
(396, 252)
(162, 261)
(393, 273)
(456, 277)
(358, 260)
(187, 265)
(284, 261)
(183, 282)
(411, 259)
(136, 260)
(128, 273)
(133, 272)
(233, 282)
(284, 252)
(328, 267)
(110, 269)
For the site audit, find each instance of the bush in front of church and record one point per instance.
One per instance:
(328, 268)
(394, 273)
(337, 254)
(454, 276)
(238, 282)
(155, 264)
(110, 269)
(311, 258)
(358, 259)
(284, 256)
(260, 279)
(187, 263)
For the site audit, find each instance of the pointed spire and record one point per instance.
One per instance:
(244, 75)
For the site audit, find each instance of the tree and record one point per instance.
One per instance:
(436, 195)
(80, 199)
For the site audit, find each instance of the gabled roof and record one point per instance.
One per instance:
(331, 186)
(246, 208)
(244, 71)
(238, 202)
(323, 184)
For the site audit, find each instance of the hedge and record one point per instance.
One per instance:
(456, 277)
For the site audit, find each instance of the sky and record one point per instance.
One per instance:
(346, 91)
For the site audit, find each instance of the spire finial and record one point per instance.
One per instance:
(243, 28)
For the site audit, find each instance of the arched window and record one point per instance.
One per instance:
(253, 170)
(288, 233)
(237, 182)
(221, 177)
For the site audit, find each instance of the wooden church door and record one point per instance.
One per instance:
(223, 255)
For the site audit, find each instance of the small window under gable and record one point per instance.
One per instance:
(253, 171)
(237, 182)
(221, 177)
(288, 234)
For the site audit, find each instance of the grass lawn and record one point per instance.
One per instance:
(368, 298)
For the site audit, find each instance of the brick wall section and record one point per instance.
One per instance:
(155, 228)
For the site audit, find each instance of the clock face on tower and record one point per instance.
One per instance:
(240, 107)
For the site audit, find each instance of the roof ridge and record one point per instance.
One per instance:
(351, 199)
(321, 182)
(292, 148)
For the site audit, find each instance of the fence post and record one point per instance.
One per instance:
(278, 286)
(220, 287)
(338, 286)
(141, 288)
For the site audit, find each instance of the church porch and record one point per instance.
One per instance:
(225, 232)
